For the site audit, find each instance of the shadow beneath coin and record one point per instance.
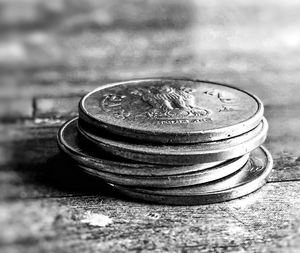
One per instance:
(66, 176)
(38, 169)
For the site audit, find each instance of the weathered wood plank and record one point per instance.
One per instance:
(65, 48)
(77, 224)
(57, 107)
(283, 141)
(16, 109)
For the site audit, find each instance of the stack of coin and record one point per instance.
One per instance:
(171, 141)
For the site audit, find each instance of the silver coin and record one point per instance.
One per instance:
(171, 111)
(179, 154)
(84, 154)
(249, 179)
(193, 178)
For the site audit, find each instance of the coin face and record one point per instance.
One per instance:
(85, 155)
(178, 154)
(171, 111)
(251, 177)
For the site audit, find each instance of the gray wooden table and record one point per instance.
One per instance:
(53, 52)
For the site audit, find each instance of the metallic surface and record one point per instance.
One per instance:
(250, 178)
(179, 154)
(193, 178)
(171, 111)
(70, 143)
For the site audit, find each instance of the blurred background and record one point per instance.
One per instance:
(63, 47)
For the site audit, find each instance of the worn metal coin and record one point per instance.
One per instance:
(250, 178)
(70, 143)
(179, 154)
(82, 154)
(171, 111)
(192, 178)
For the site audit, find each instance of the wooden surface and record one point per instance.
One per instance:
(53, 52)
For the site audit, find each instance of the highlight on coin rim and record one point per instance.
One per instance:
(259, 182)
(114, 128)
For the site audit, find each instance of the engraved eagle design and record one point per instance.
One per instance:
(166, 97)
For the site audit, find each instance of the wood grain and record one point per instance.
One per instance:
(63, 224)
(53, 52)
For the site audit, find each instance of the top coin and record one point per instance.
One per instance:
(171, 110)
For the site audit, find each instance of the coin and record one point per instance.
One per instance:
(171, 110)
(193, 178)
(69, 142)
(179, 154)
(249, 179)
